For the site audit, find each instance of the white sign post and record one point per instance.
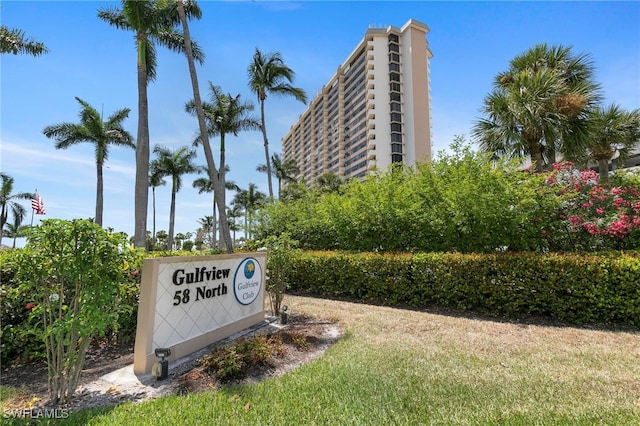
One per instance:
(187, 303)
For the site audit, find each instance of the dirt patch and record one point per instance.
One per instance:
(97, 390)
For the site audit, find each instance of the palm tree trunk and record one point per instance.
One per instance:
(142, 150)
(603, 170)
(99, 195)
(153, 239)
(213, 173)
(222, 183)
(535, 151)
(172, 214)
(266, 148)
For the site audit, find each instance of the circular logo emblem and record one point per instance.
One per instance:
(247, 281)
(249, 269)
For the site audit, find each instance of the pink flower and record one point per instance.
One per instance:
(30, 306)
(600, 211)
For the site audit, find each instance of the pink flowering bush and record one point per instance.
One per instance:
(597, 216)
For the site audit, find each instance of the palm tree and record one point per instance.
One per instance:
(233, 214)
(13, 40)
(539, 106)
(329, 182)
(16, 229)
(155, 180)
(101, 133)
(218, 185)
(207, 224)
(249, 200)
(282, 170)
(226, 114)
(204, 185)
(174, 164)
(8, 200)
(153, 23)
(612, 129)
(268, 74)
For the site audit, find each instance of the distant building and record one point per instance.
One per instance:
(373, 112)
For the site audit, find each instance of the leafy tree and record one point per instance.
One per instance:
(268, 74)
(153, 23)
(72, 270)
(13, 40)
(538, 107)
(8, 201)
(282, 170)
(155, 180)
(174, 164)
(218, 184)
(207, 227)
(101, 133)
(612, 129)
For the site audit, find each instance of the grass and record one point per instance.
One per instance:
(405, 367)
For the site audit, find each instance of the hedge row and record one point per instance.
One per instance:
(576, 288)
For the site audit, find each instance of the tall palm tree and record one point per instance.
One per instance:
(249, 200)
(174, 164)
(101, 133)
(155, 180)
(207, 225)
(8, 200)
(204, 185)
(225, 114)
(268, 74)
(612, 129)
(538, 107)
(233, 214)
(13, 40)
(282, 170)
(16, 229)
(329, 182)
(218, 185)
(153, 23)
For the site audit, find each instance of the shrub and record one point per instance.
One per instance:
(73, 270)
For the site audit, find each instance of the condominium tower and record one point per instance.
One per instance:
(375, 110)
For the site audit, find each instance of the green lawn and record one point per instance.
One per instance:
(405, 367)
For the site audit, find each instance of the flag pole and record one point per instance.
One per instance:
(32, 210)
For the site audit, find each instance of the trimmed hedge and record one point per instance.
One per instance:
(576, 288)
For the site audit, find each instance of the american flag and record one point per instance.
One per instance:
(37, 204)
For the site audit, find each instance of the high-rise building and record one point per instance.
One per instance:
(375, 111)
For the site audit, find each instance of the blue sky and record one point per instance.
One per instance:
(471, 43)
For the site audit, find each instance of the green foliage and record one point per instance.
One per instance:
(599, 288)
(229, 362)
(279, 251)
(463, 201)
(73, 270)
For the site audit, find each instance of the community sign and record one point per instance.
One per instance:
(187, 303)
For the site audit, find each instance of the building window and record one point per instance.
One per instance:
(393, 38)
(395, 97)
(394, 48)
(394, 57)
(394, 87)
(396, 117)
(395, 107)
(396, 137)
(394, 76)
(396, 158)
(396, 127)
(394, 67)
(396, 148)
